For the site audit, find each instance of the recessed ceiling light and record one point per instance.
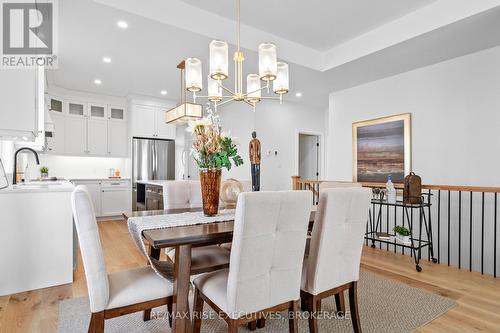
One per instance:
(97, 81)
(163, 92)
(122, 24)
(299, 94)
(106, 60)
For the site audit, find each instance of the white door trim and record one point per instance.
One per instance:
(321, 151)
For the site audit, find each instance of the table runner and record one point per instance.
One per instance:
(136, 226)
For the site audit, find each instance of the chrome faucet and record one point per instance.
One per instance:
(14, 181)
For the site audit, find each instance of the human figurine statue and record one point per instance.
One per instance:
(254, 153)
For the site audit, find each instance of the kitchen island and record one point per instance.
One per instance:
(36, 236)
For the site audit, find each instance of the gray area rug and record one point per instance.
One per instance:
(385, 306)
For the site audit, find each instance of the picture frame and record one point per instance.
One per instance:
(382, 147)
(4, 182)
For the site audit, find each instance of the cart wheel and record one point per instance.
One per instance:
(372, 246)
(434, 260)
(419, 269)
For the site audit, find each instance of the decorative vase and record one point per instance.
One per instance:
(45, 175)
(210, 189)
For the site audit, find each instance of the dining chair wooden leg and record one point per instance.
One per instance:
(340, 302)
(311, 305)
(197, 311)
(353, 304)
(169, 308)
(261, 323)
(147, 315)
(318, 305)
(232, 326)
(252, 326)
(97, 322)
(293, 322)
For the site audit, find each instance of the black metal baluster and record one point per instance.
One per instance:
(470, 234)
(387, 226)
(403, 219)
(430, 223)
(449, 223)
(482, 233)
(411, 232)
(395, 218)
(439, 226)
(459, 228)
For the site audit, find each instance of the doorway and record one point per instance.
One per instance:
(309, 156)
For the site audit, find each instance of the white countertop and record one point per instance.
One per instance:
(154, 182)
(33, 187)
(97, 179)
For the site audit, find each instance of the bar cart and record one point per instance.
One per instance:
(417, 242)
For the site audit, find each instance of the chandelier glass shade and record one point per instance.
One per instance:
(270, 71)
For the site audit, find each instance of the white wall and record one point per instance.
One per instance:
(277, 128)
(455, 107)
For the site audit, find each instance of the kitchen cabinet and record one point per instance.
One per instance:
(109, 197)
(76, 135)
(87, 128)
(163, 130)
(116, 113)
(115, 197)
(21, 103)
(97, 111)
(97, 137)
(56, 142)
(143, 121)
(76, 109)
(117, 138)
(149, 122)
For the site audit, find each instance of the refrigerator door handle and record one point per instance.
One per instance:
(155, 161)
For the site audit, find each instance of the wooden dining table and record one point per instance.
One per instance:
(183, 239)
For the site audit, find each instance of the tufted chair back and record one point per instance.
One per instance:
(187, 193)
(269, 237)
(90, 248)
(176, 194)
(337, 238)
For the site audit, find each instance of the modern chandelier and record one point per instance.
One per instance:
(270, 70)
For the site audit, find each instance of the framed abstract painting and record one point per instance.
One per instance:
(382, 147)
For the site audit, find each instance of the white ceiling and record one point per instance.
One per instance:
(144, 57)
(318, 24)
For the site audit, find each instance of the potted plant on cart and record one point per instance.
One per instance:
(402, 234)
(212, 150)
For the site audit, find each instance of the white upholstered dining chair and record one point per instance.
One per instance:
(266, 260)
(336, 244)
(119, 293)
(178, 194)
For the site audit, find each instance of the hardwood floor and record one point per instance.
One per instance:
(477, 296)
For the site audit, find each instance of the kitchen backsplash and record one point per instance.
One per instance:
(84, 167)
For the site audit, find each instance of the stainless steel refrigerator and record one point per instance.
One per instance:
(152, 159)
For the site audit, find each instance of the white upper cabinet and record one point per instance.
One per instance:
(76, 109)
(163, 130)
(117, 138)
(98, 111)
(143, 121)
(149, 122)
(116, 113)
(76, 135)
(97, 137)
(56, 142)
(21, 103)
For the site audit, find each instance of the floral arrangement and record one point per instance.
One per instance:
(213, 149)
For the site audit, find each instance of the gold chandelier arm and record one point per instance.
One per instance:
(227, 90)
(225, 102)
